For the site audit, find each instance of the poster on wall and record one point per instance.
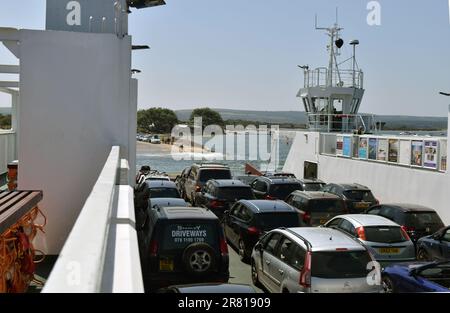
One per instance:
(362, 148)
(382, 151)
(430, 155)
(405, 152)
(339, 145)
(443, 158)
(373, 148)
(347, 147)
(393, 150)
(416, 152)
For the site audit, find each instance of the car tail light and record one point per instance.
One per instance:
(305, 275)
(361, 233)
(216, 203)
(408, 229)
(253, 231)
(377, 202)
(153, 248)
(223, 247)
(269, 197)
(306, 217)
(341, 249)
(198, 188)
(405, 232)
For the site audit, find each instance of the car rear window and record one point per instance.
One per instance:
(164, 193)
(327, 205)
(359, 195)
(179, 235)
(384, 234)
(340, 264)
(272, 220)
(422, 219)
(313, 186)
(281, 191)
(232, 193)
(207, 174)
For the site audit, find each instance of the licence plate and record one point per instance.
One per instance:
(362, 205)
(389, 250)
(166, 265)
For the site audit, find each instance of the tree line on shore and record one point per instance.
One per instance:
(5, 121)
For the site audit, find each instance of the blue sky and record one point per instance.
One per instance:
(244, 54)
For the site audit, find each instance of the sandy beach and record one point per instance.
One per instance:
(165, 149)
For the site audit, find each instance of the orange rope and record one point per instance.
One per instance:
(17, 253)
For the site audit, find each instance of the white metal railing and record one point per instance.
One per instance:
(320, 77)
(345, 123)
(7, 149)
(101, 253)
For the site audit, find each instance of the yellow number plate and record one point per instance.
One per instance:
(166, 265)
(362, 205)
(389, 250)
(322, 222)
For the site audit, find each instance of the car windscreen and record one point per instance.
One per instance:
(326, 206)
(384, 234)
(420, 220)
(360, 195)
(281, 191)
(272, 220)
(206, 174)
(235, 193)
(180, 234)
(340, 264)
(161, 192)
(313, 186)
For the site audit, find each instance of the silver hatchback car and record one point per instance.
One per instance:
(387, 241)
(311, 259)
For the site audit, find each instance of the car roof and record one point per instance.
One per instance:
(210, 165)
(214, 288)
(160, 183)
(279, 180)
(267, 206)
(352, 186)
(323, 239)
(189, 213)
(406, 207)
(310, 181)
(367, 220)
(229, 183)
(315, 195)
(168, 202)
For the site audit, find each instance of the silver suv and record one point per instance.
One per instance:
(310, 259)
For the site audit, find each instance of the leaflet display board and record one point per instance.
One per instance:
(405, 152)
(339, 145)
(430, 154)
(363, 148)
(373, 148)
(347, 146)
(382, 151)
(416, 153)
(393, 150)
(443, 155)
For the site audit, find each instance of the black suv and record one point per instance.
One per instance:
(358, 198)
(316, 207)
(183, 245)
(219, 195)
(248, 220)
(274, 188)
(311, 184)
(418, 221)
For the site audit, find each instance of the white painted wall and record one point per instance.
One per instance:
(389, 183)
(7, 149)
(75, 105)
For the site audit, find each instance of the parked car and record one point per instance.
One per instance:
(279, 174)
(248, 220)
(199, 174)
(209, 288)
(418, 221)
(386, 240)
(316, 208)
(162, 189)
(312, 184)
(167, 202)
(358, 198)
(155, 139)
(435, 247)
(246, 179)
(219, 195)
(180, 181)
(274, 188)
(183, 245)
(312, 259)
(417, 277)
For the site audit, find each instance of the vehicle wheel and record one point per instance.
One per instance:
(199, 258)
(422, 255)
(255, 278)
(242, 249)
(388, 285)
